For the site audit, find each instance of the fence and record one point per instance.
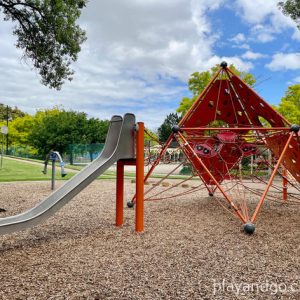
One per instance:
(75, 154)
(82, 153)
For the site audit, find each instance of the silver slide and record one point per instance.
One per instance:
(119, 144)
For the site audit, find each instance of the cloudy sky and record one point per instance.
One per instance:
(140, 54)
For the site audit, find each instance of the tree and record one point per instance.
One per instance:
(150, 137)
(58, 129)
(289, 106)
(19, 130)
(96, 133)
(96, 130)
(198, 81)
(292, 9)
(10, 112)
(165, 130)
(47, 32)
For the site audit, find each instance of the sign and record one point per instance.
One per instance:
(4, 129)
(52, 156)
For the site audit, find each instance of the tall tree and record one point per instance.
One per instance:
(291, 8)
(289, 106)
(165, 129)
(19, 130)
(10, 112)
(47, 32)
(56, 129)
(199, 80)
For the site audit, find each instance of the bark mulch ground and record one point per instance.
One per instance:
(191, 249)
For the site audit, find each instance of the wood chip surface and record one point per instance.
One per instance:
(190, 247)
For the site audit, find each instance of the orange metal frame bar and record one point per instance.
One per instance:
(212, 177)
(262, 199)
(284, 183)
(139, 163)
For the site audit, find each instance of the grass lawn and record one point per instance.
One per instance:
(13, 170)
(19, 171)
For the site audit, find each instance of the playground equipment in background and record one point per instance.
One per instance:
(227, 124)
(54, 156)
(119, 147)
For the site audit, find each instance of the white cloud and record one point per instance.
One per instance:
(239, 41)
(240, 37)
(267, 17)
(253, 55)
(296, 80)
(283, 61)
(138, 57)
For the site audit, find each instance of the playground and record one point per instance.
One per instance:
(180, 236)
(188, 248)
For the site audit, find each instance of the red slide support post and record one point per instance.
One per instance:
(120, 194)
(139, 205)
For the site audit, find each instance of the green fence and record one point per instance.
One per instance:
(24, 151)
(75, 154)
(82, 153)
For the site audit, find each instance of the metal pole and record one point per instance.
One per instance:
(284, 183)
(7, 127)
(53, 175)
(269, 162)
(120, 194)
(2, 151)
(139, 208)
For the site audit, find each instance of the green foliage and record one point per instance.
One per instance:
(187, 169)
(10, 112)
(96, 130)
(47, 32)
(150, 137)
(19, 130)
(165, 130)
(185, 104)
(289, 106)
(199, 80)
(292, 9)
(55, 129)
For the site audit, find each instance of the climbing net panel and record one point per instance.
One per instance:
(241, 149)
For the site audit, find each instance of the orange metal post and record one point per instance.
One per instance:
(262, 199)
(120, 194)
(139, 206)
(284, 183)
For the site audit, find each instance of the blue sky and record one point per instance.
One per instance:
(140, 54)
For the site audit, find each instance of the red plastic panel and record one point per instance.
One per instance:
(220, 103)
(256, 106)
(219, 154)
(233, 102)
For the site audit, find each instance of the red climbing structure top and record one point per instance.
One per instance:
(229, 101)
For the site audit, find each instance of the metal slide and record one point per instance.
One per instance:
(119, 144)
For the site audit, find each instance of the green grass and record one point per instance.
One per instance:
(19, 171)
(14, 170)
